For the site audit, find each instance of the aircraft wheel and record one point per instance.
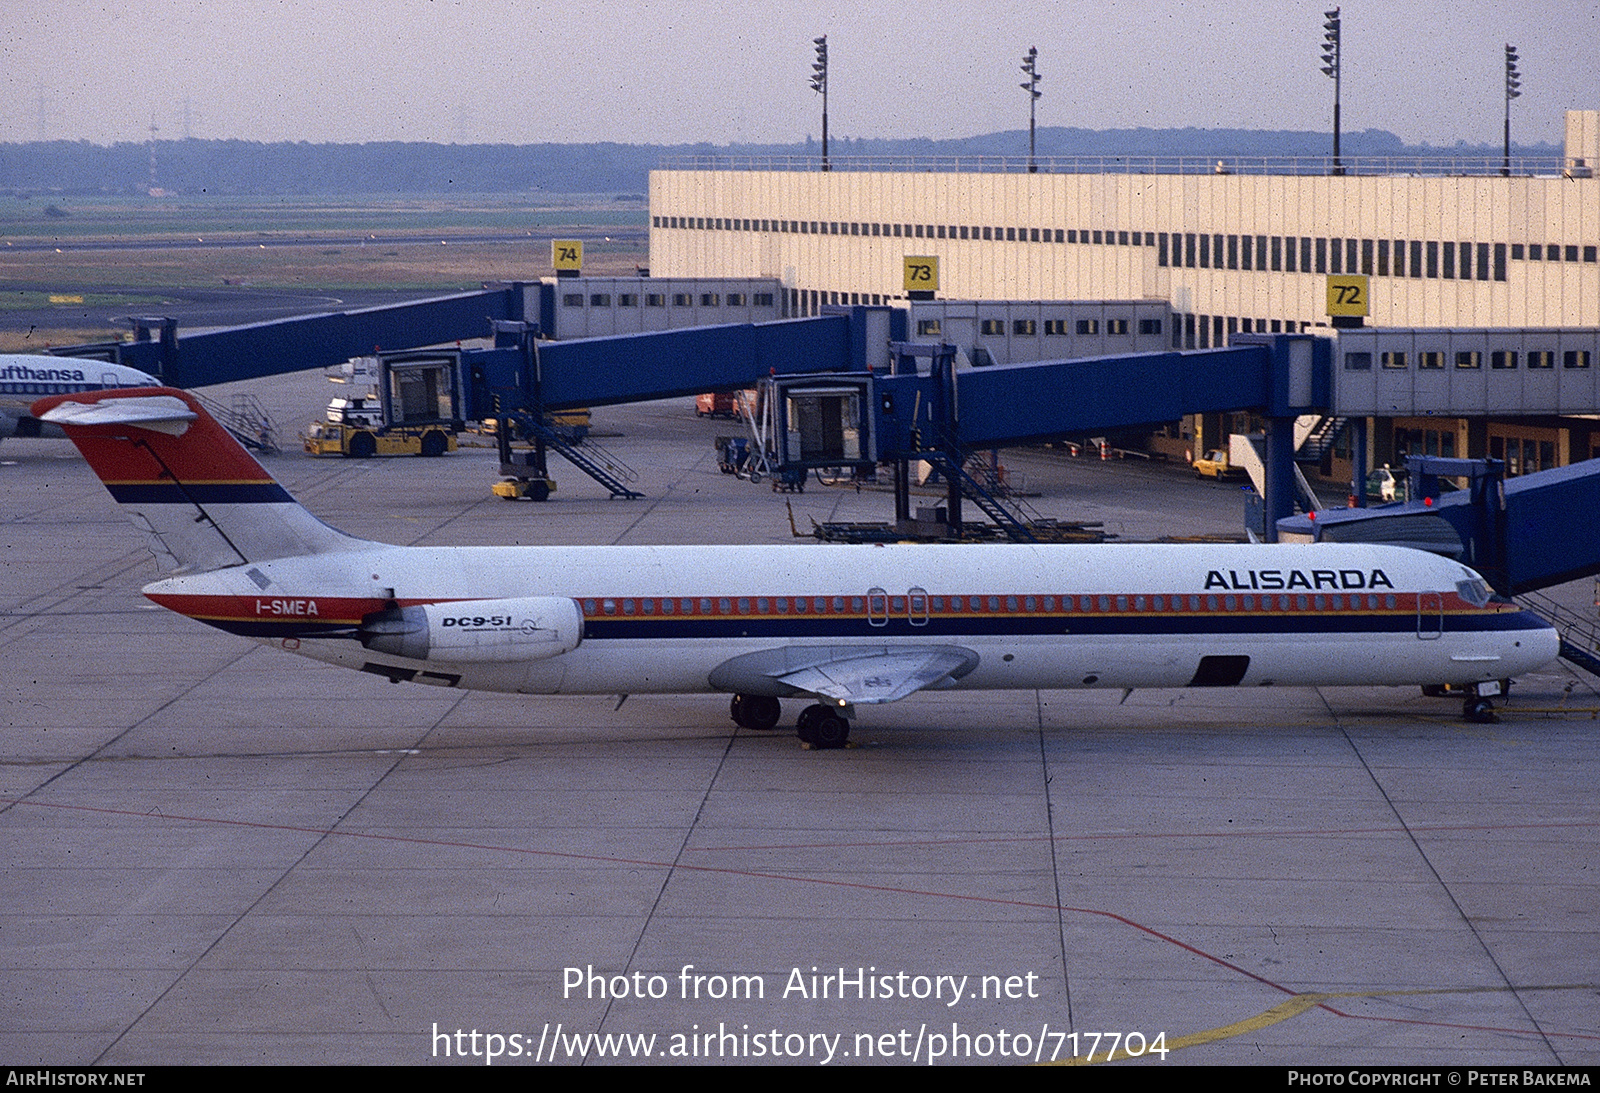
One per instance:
(363, 446)
(1479, 711)
(433, 444)
(822, 728)
(760, 712)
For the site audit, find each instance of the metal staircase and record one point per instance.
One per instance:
(246, 419)
(1580, 637)
(1323, 436)
(593, 460)
(1013, 518)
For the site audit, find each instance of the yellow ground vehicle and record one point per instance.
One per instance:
(409, 408)
(362, 437)
(1215, 465)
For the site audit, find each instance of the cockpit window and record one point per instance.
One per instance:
(1475, 592)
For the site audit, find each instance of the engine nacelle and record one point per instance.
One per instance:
(477, 631)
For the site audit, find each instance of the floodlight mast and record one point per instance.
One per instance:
(819, 84)
(1513, 83)
(1030, 65)
(1331, 66)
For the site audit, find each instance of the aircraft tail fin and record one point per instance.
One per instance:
(203, 501)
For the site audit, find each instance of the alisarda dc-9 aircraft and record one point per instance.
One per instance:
(838, 627)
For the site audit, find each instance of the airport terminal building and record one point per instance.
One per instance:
(1238, 247)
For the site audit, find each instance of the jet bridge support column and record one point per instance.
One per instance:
(1297, 382)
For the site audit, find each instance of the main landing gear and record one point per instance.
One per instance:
(820, 726)
(755, 712)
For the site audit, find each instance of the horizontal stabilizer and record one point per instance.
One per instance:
(162, 413)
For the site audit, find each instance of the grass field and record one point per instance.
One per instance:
(133, 253)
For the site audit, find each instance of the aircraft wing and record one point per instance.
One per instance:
(859, 675)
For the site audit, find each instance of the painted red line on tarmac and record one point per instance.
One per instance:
(1292, 833)
(787, 878)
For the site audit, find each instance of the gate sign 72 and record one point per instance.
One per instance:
(1347, 294)
(921, 273)
(566, 253)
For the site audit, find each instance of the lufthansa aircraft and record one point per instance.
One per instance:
(27, 377)
(839, 626)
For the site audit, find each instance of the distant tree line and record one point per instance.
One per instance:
(238, 167)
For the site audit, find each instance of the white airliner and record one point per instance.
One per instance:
(27, 377)
(841, 626)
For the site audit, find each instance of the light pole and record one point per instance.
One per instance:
(819, 84)
(1030, 65)
(1331, 67)
(1513, 81)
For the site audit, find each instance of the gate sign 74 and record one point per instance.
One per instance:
(566, 253)
(1347, 294)
(921, 273)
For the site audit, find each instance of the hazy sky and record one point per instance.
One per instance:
(641, 71)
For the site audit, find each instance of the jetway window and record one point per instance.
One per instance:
(1358, 362)
(1503, 359)
(572, 299)
(1055, 328)
(928, 328)
(1116, 326)
(1088, 326)
(1541, 358)
(992, 327)
(1575, 358)
(682, 299)
(736, 299)
(1469, 359)
(1430, 359)
(1024, 326)
(627, 299)
(600, 299)
(710, 299)
(763, 299)
(1149, 326)
(655, 299)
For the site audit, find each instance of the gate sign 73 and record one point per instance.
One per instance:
(921, 273)
(1347, 294)
(566, 253)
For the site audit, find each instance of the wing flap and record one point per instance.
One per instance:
(859, 675)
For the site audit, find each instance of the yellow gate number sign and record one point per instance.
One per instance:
(1347, 294)
(566, 253)
(921, 273)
